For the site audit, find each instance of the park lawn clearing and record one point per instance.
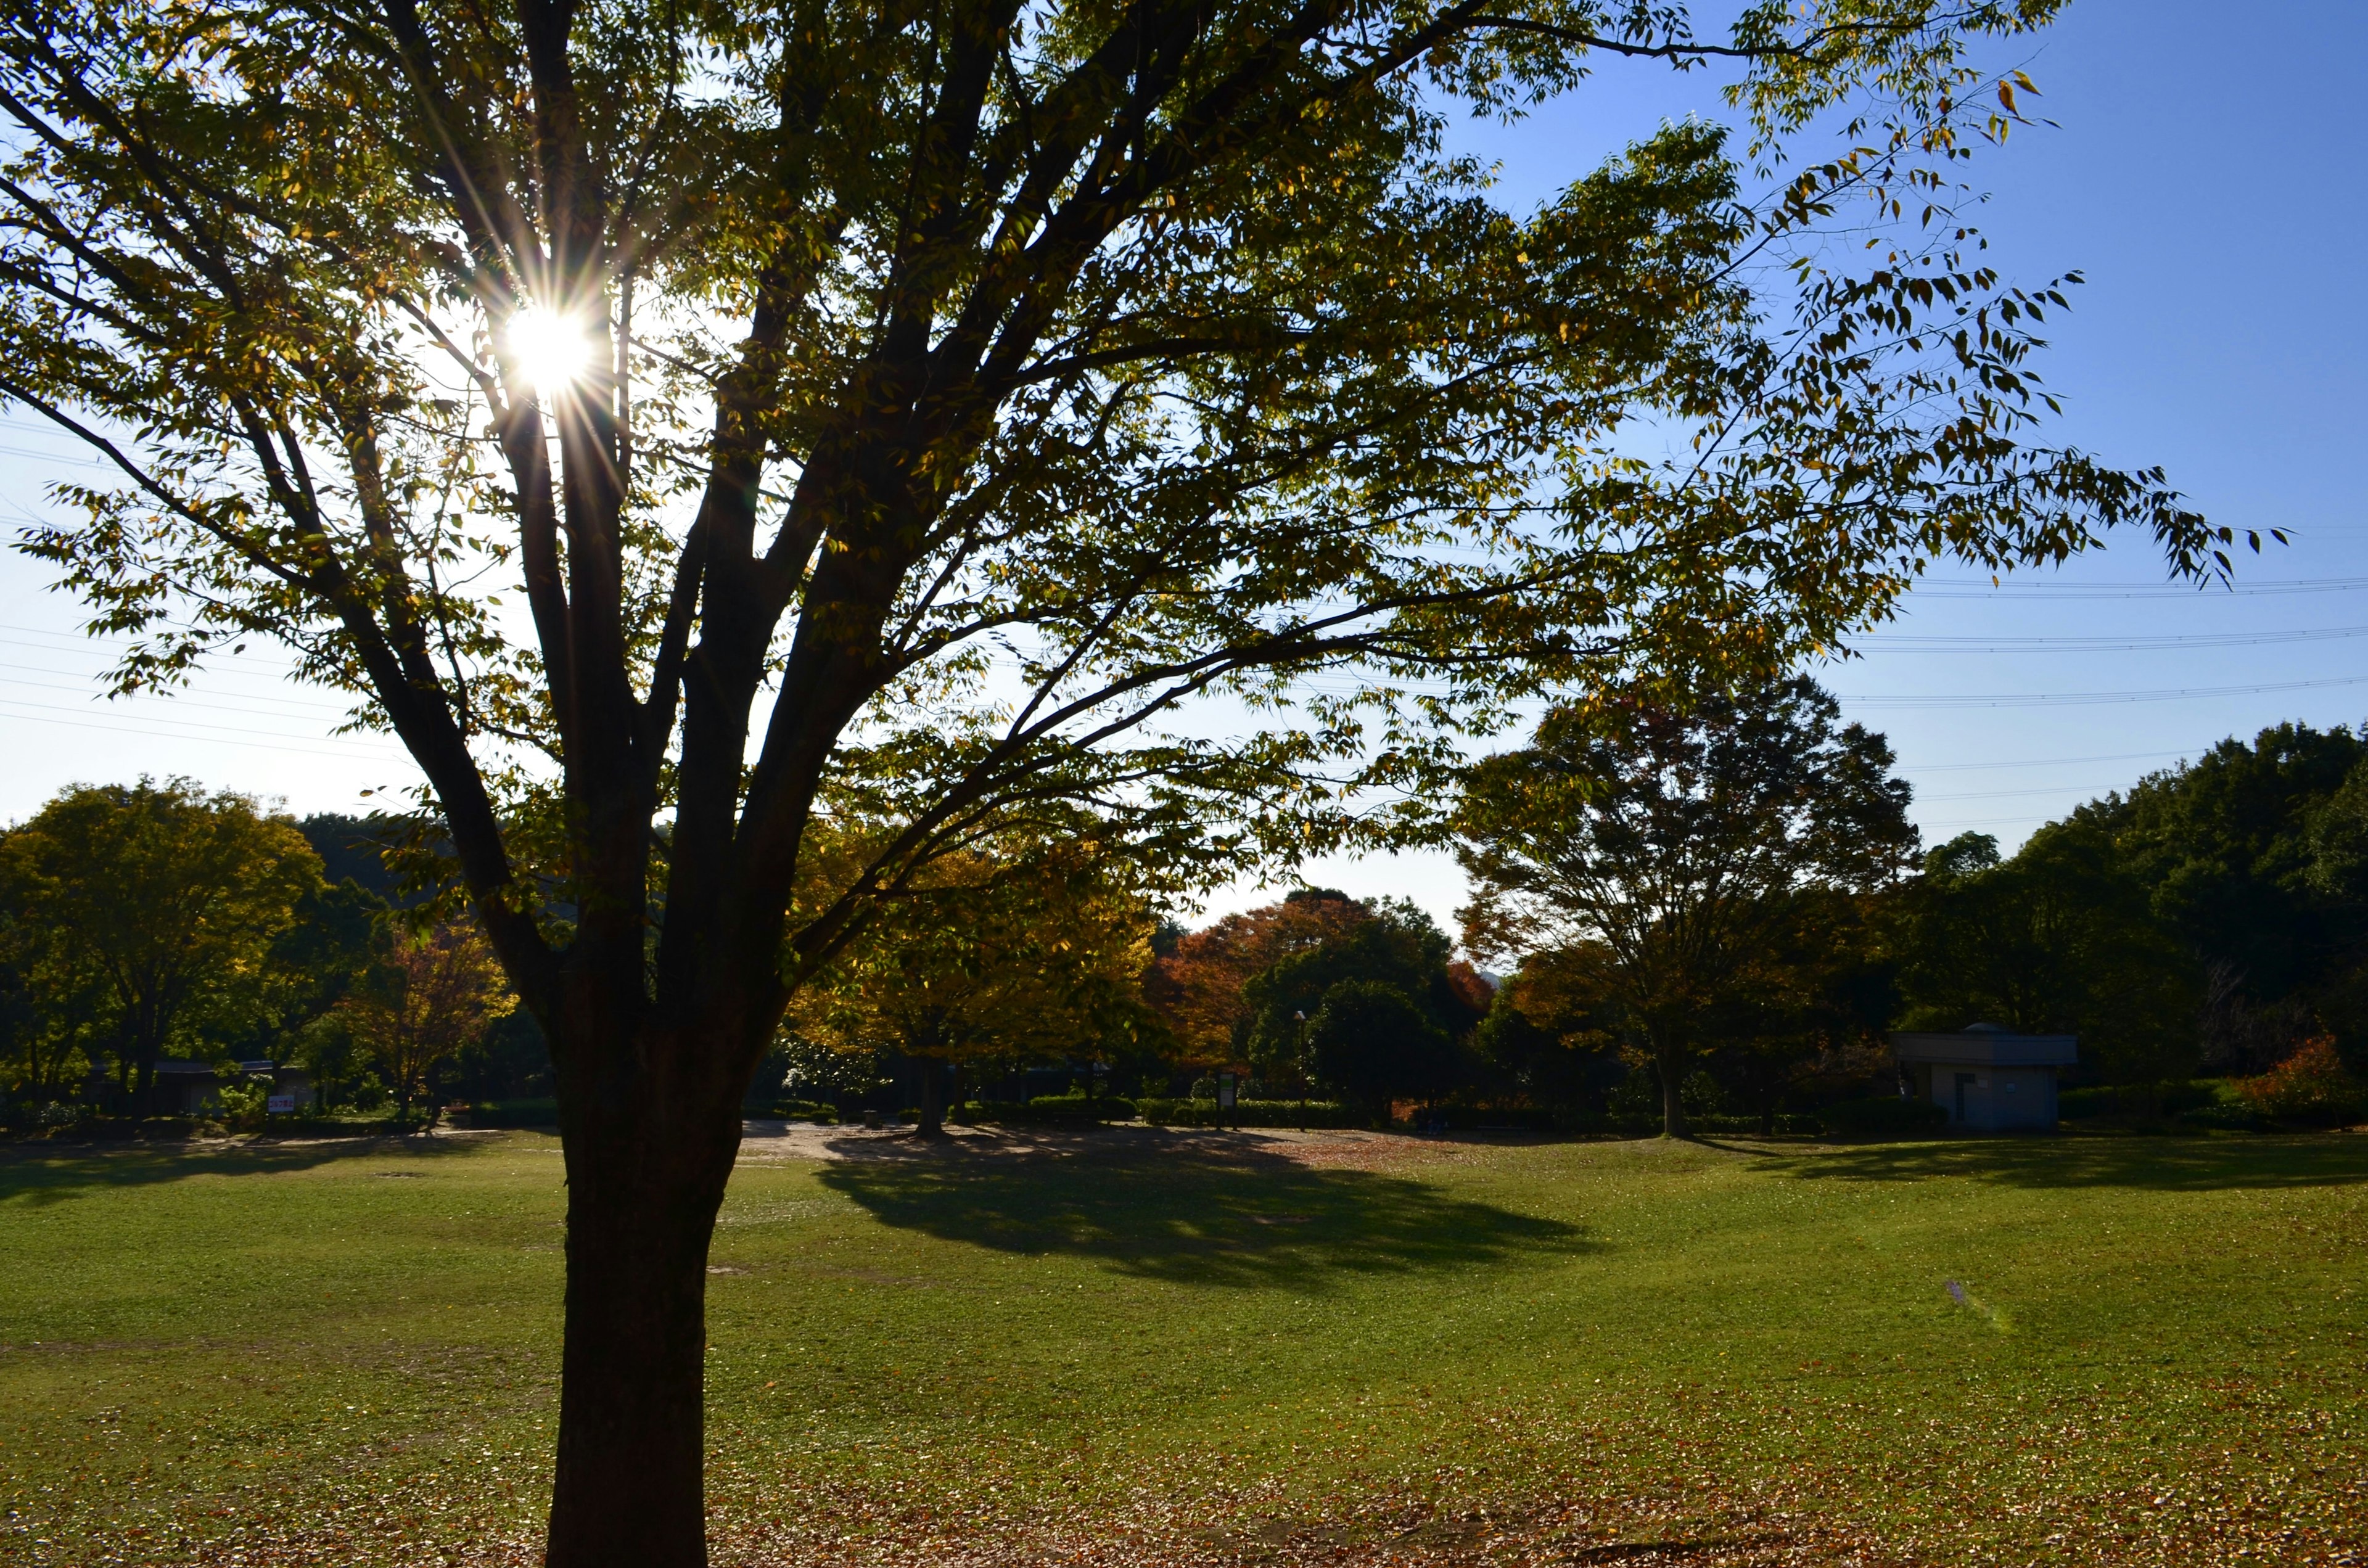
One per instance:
(1134, 1346)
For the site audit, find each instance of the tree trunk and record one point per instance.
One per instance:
(644, 1182)
(933, 1097)
(1671, 1066)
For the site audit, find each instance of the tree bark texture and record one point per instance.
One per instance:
(933, 1096)
(648, 1157)
(1671, 1067)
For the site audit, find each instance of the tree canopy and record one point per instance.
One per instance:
(146, 918)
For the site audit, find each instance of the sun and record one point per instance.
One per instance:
(551, 349)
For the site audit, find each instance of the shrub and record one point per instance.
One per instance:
(794, 1110)
(2080, 1105)
(1053, 1108)
(2312, 1084)
(1889, 1117)
(1109, 1107)
(2225, 1117)
(1784, 1123)
(2142, 1100)
(241, 1104)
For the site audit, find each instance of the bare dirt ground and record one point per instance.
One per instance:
(766, 1143)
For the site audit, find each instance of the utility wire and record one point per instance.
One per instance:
(1889, 700)
(2191, 593)
(2167, 642)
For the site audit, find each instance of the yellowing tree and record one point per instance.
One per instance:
(1036, 956)
(430, 997)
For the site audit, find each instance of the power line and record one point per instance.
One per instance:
(202, 739)
(2086, 698)
(2091, 790)
(283, 708)
(2275, 586)
(2167, 641)
(200, 724)
(2055, 761)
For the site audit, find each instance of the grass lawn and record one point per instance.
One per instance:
(1148, 1347)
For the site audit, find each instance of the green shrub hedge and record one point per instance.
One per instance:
(1785, 1122)
(1053, 1109)
(795, 1110)
(2178, 1099)
(1889, 1117)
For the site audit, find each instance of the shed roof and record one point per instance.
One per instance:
(1986, 1046)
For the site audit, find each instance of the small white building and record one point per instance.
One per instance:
(1989, 1079)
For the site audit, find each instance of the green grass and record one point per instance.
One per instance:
(1196, 1345)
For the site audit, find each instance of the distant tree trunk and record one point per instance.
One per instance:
(1669, 1061)
(933, 1097)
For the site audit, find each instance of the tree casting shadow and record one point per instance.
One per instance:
(1235, 1217)
(34, 1175)
(2167, 1164)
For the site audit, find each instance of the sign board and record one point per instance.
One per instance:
(1225, 1090)
(279, 1105)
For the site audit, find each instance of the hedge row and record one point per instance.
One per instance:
(2158, 1099)
(795, 1110)
(1054, 1110)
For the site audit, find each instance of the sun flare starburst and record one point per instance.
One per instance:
(551, 349)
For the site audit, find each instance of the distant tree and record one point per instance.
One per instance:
(1811, 1004)
(1658, 847)
(431, 995)
(1396, 945)
(2062, 938)
(1549, 1038)
(2238, 853)
(1374, 1043)
(1199, 986)
(1038, 952)
(356, 849)
(158, 907)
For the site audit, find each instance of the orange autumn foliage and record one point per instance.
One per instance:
(1198, 988)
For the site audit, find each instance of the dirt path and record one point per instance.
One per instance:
(769, 1142)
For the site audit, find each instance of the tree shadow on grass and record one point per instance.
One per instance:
(2168, 1165)
(1235, 1217)
(34, 1175)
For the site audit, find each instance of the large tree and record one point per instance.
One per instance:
(1659, 850)
(155, 910)
(916, 403)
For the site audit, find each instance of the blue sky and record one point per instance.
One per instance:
(2205, 178)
